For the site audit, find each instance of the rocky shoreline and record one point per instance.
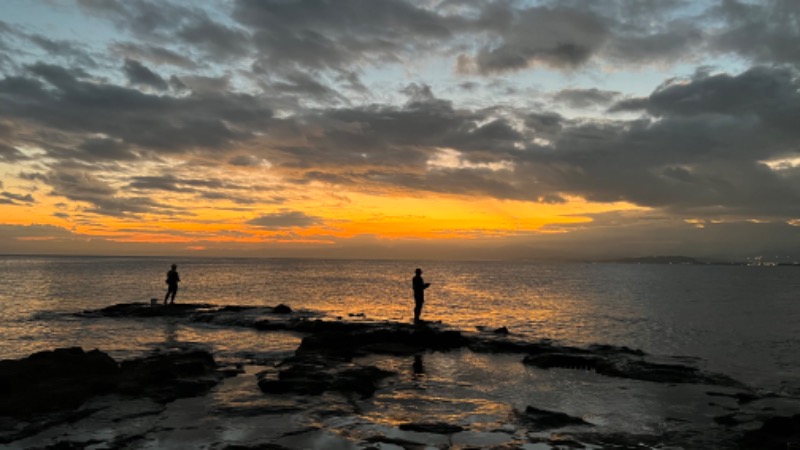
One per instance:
(332, 364)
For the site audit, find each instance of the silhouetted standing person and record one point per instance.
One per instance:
(419, 286)
(172, 284)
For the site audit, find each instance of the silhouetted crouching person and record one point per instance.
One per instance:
(172, 284)
(419, 286)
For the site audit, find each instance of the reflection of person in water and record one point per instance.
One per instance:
(418, 367)
(171, 335)
(172, 284)
(419, 286)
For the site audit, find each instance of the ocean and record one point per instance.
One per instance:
(739, 321)
(742, 321)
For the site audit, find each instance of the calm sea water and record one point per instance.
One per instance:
(743, 321)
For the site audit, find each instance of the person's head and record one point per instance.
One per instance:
(418, 271)
(174, 266)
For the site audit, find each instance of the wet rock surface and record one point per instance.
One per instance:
(629, 366)
(328, 392)
(542, 419)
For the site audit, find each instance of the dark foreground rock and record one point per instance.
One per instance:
(54, 380)
(168, 376)
(776, 433)
(437, 428)
(147, 310)
(63, 379)
(541, 419)
(316, 377)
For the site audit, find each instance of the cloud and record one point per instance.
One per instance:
(285, 219)
(98, 149)
(139, 75)
(12, 232)
(703, 155)
(9, 197)
(248, 161)
(153, 54)
(216, 195)
(59, 98)
(168, 21)
(208, 187)
(558, 37)
(585, 98)
(765, 32)
(11, 154)
(103, 199)
(322, 35)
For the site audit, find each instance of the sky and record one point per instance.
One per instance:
(424, 129)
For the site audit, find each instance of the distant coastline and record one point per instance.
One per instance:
(687, 260)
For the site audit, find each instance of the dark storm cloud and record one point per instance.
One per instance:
(557, 37)
(106, 149)
(585, 98)
(215, 39)
(245, 161)
(629, 105)
(178, 184)
(9, 197)
(481, 37)
(139, 75)
(703, 155)
(153, 54)
(306, 87)
(321, 34)
(766, 92)
(59, 98)
(285, 219)
(765, 31)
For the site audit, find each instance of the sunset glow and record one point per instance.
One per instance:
(535, 128)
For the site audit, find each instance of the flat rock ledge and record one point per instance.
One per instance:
(345, 339)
